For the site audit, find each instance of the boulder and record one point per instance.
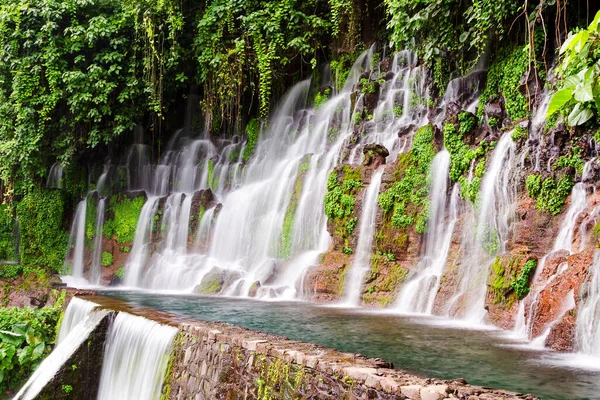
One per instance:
(375, 155)
(216, 280)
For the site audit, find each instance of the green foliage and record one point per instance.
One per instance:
(343, 185)
(26, 336)
(67, 389)
(107, 259)
(366, 86)
(573, 160)
(503, 79)
(521, 284)
(533, 183)
(237, 41)
(126, 213)
(8, 248)
(10, 271)
(578, 95)
(519, 133)
(461, 155)
(551, 196)
(432, 25)
(252, 130)
(75, 74)
(43, 241)
(120, 272)
(493, 122)
(407, 199)
(322, 97)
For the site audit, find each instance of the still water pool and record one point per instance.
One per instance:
(421, 345)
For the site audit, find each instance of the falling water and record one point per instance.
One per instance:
(135, 358)
(564, 240)
(61, 353)
(491, 229)
(77, 310)
(96, 272)
(56, 176)
(418, 295)
(76, 244)
(362, 260)
(588, 315)
(141, 243)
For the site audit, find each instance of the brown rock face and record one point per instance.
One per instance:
(563, 286)
(325, 282)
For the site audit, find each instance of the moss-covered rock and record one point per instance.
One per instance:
(216, 280)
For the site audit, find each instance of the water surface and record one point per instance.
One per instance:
(422, 345)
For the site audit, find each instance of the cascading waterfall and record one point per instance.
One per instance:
(56, 176)
(135, 358)
(76, 245)
(77, 310)
(418, 294)
(141, 243)
(491, 228)
(588, 316)
(76, 337)
(96, 272)
(564, 240)
(362, 260)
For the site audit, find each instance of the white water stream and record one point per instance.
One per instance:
(135, 358)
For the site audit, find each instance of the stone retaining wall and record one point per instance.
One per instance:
(220, 361)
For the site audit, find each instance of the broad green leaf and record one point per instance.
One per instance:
(594, 25)
(583, 38)
(579, 115)
(568, 44)
(21, 329)
(12, 338)
(24, 355)
(1, 376)
(38, 351)
(559, 99)
(583, 93)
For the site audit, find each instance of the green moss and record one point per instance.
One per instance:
(573, 159)
(253, 131)
(120, 272)
(107, 259)
(343, 186)
(285, 250)
(461, 156)
(521, 284)
(407, 199)
(553, 195)
(322, 97)
(519, 133)
(90, 218)
(43, 241)
(533, 183)
(503, 79)
(126, 213)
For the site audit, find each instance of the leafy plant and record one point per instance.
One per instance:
(107, 259)
(579, 93)
(521, 284)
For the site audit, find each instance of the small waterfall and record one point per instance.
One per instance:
(62, 352)
(96, 272)
(564, 240)
(56, 176)
(143, 235)
(588, 316)
(567, 304)
(77, 310)
(135, 358)
(491, 227)
(418, 295)
(362, 259)
(76, 244)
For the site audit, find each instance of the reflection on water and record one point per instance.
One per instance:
(425, 346)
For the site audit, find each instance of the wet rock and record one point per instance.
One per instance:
(531, 85)
(202, 200)
(254, 288)
(216, 280)
(562, 335)
(375, 155)
(406, 129)
(495, 109)
(385, 65)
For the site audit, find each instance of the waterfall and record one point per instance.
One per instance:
(62, 352)
(135, 358)
(491, 227)
(56, 176)
(588, 316)
(96, 272)
(76, 244)
(141, 243)
(77, 310)
(362, 259)
(418, 295)
(564, 240)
